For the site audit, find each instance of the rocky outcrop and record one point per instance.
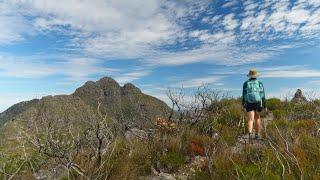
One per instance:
(299, 97)
(136, 133)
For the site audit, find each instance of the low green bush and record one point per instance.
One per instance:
(198, 174)
(273, 104)
(173, 160)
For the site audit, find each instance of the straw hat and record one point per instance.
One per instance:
(253, 73)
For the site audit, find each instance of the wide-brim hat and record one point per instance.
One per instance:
(253, 73)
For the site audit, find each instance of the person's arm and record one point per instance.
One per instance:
(244, 92)
(263, 96)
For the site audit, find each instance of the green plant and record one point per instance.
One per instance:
(173, 160)
(279, 114)
(198, 174)
(273, 104)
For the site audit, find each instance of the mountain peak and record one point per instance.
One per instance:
(130, 88)
(107, 81)
(94, 88)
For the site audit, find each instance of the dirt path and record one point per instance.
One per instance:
(244, 140)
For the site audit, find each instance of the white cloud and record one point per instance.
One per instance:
(13, 26)
(215, 19)
(298, 16)
(139, 29)
(292, 74)
(111, 28)
(278, 20)
(118, 29)
(230, 22)
(229, 4)
(224, 52)
(129, 77)
(74, 68)
(293, 71)
(197, 82)
(283, 68)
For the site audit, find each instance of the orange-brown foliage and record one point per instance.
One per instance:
(195, 148)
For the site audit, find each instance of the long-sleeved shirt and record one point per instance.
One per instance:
(262, 93)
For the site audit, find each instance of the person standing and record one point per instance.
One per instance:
(254, 102)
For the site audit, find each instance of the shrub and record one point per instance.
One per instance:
(279, 114)
(140, 159)
(198, 174)
(223, 167)
(173, 160)
(227, 134)
(195, 148)
(273, 104)
(308, 125)
(231, 113)
(297, 111)
(195, 143)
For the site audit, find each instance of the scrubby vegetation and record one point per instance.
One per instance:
(200, 141)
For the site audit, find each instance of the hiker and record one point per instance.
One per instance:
(254, 101)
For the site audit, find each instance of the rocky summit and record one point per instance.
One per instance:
(126, 105)
(299, 97)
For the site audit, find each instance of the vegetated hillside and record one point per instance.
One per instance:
(16, 109)
(62, 138)
(127, 105)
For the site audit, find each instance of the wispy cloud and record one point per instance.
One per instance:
(290, 72)
(197, 82)
(129, 77)
(13, 26)
(73, 68)
(121, 29)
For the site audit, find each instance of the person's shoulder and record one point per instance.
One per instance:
(246, 82)
(259, 81)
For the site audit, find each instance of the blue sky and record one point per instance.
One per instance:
(52, 47)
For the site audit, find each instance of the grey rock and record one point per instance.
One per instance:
(136, 133)
(166, 176)
(299, 97)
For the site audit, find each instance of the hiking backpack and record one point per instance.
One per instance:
(254, 90)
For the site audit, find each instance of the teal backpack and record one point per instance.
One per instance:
(254, 90)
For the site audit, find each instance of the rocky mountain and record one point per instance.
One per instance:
(126, 105)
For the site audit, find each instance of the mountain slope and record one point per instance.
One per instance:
(14, 110)
(127, 105)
